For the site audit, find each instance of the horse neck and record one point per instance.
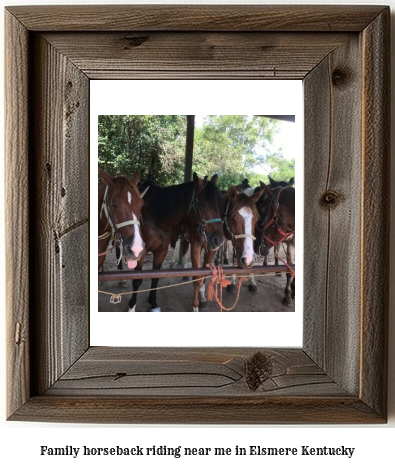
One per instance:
(287, 205)
(167, 207)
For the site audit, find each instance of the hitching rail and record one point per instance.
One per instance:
(166, 273)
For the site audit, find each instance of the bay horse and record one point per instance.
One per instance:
(240, 218)
(119, 217)
(194, 208)
(277, 225)
(223, 252)
(275, 184)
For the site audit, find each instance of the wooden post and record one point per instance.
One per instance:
(189, 148)
(188, 167)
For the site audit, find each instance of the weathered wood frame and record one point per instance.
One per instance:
(340, 374)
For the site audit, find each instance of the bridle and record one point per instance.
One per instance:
(275, 220)
(232, 235)
(115, 227)
(201, 223)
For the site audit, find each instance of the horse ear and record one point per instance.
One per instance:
(255, 197)
(291, 181)
(214, 179)
(109, 180)
(232, 193)
(198, 181)
(265, 188)
(272, 182)
(135, 178)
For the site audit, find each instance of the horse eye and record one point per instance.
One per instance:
(115, 206)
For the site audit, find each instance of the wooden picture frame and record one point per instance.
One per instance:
(340, 374)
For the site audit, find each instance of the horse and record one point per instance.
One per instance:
(277, 225)
(194, 208)
(222, 257)
(240, 217)
(120, 206)
(275, 184)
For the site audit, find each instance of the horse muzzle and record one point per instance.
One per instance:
(133, 253)
(244, 262)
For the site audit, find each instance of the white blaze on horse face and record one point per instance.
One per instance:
(248, 251)
(138, 244)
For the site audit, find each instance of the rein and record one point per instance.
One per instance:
(115, 228)
(274, 220)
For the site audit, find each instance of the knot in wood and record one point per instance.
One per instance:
(330, 199)
(135, 41)
(340, 77)
(259, 369)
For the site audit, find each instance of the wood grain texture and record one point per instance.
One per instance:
(148, 55)
(60, 122)
(339, 376)
(198, 410)
(17, 213)
(332, 231)
(375, 211)
(186, 372)
(124, 385)
(196, 17)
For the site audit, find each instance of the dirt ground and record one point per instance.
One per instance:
(179, 299)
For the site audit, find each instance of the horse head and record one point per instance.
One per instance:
(276, 208)
(240, 218)
(208, 211)
(275, 184)
(121, 208)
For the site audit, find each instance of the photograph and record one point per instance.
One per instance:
(203, 191)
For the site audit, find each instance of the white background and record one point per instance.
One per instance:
(280, 329)
(20, 442)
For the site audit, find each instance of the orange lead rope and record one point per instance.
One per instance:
(286, 264)
(218, 280)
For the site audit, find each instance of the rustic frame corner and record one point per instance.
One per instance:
(340, 374)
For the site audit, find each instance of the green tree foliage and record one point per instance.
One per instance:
(152, 144)
(233, 146)
(282, 169)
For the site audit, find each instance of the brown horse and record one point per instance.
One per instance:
(277, 211)
(240, 218)
(194, 208)
(119, 217)
(275, 184)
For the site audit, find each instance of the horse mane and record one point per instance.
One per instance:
(212, 193)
